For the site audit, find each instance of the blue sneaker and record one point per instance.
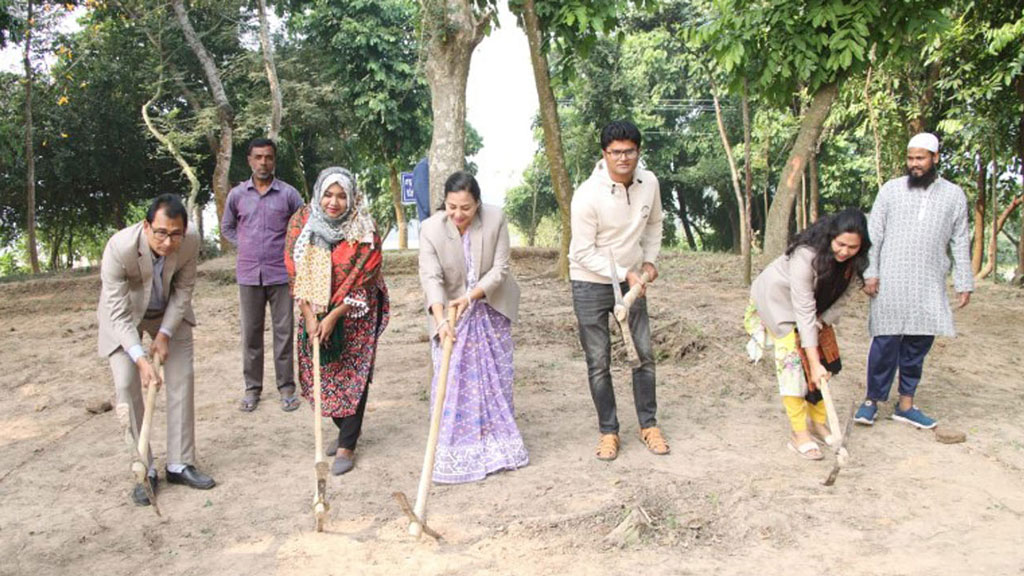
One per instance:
(866, 413)
(914, 417)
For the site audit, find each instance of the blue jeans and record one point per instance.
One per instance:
(593, 304)
(891, 352)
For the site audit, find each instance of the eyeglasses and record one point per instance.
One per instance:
(160, 234)
(628, 154)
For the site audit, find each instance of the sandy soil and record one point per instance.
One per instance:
(730, 499)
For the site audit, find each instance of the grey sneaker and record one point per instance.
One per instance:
(341, 465)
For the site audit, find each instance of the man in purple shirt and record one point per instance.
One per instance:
(255, 219)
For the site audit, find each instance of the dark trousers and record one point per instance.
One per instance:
(891, 352)
(593, 304)
(253, 302)
(350, 427)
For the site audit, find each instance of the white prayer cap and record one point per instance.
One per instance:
(926, 141)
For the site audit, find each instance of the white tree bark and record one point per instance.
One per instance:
(268, 63)
(225, 114)
(452, 33)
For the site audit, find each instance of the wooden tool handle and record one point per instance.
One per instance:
(415, 528)
(627, 340)
(830, 411)
(147, 416)
(318, 432)
(634, 291)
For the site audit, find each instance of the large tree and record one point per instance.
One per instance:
(784, 48)
(368, 51)
(451, 30)
(225, 112)
(573, 26)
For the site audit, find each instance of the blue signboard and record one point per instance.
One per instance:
(408, 196)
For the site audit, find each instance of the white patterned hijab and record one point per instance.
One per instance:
(322, 233)
(353, 225)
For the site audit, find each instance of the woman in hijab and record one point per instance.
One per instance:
(333, 256)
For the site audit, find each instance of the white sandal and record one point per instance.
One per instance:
(804, 450)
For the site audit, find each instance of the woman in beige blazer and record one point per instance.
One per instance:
(791, 300)
(464, 263)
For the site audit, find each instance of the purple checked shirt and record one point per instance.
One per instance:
(256, 224)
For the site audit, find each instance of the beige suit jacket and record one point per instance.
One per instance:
(784, 296)
(127, 280)
(443, 266)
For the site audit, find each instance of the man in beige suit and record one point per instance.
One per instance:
(148, 272)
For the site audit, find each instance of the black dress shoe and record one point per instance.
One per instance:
(192, 478)
(139, 495)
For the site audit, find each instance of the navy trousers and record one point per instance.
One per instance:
(891, 352)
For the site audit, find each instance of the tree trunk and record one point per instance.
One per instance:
(552, 131)
(299, 166)
(71, 248)
(268, 63)
(396, 199)
(993, 245)
(225, 114)
(777, 233)
(532, 238)
(815, 192)
(56, 242)
(748, 185)
(1018, 278)
(685, 219)
(197, 217)
(172, 149)
(801, 209)
(742, 240)
(873, 118)
(978, 247)
(30, 154)
(452, 35)
(997, 227)
(734, 231)
(918, 123)
(767, 187)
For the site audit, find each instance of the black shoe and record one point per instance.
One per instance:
(192, 478)
(139, 495)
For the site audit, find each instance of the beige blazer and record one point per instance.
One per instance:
(784, 296)
(443, 266)
(127, 280)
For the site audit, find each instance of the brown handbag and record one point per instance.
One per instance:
(828, 351)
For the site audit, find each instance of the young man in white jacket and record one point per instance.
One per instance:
(617, 211)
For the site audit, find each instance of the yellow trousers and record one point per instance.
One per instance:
(798, 409)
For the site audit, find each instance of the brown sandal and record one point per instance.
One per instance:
(655, 442)
(608, 447)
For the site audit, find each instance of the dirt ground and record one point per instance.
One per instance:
(730, 499)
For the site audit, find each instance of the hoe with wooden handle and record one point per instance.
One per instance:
(140, 450)
(320, 505)
(418, 515)
(622, 307)
(839, 442)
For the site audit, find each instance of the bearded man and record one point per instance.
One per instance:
(913, 221)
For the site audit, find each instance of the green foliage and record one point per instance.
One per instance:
(785, 45)
(522, 212)
(354, 95)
